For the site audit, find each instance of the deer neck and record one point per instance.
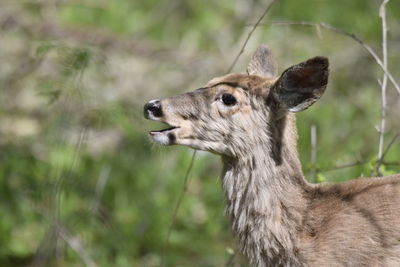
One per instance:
(265, 192)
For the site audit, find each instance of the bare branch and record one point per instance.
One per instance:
(77, 246)
(250, 34)
(382, 15)
(230, 260)
(344, 166)
(380, 160)
(390, 145)
(178, 204)
(350, 35)
(101, 184)
(391, 163)
(362, 162)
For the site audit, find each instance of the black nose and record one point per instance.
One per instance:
(153, 108)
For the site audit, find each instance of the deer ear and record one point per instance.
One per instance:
(263, 63)
(301, 85)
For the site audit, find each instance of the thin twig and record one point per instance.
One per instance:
(100, 185)
(344, 166)
(230, 259)
(342, 32)
(382, 15)
(77, 246)
(391, 163)
(362, 162)
(380, 160)
(390, 145)
(250, 34)
(178, 204)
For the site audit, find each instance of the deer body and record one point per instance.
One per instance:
(278, 217)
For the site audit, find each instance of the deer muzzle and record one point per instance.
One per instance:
(153, 111)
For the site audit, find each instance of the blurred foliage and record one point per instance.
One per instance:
(81, 183)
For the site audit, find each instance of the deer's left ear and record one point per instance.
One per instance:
(301, 85)
(263, 63)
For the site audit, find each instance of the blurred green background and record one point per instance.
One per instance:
(81, 184)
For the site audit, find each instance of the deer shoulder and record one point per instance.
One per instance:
(355, 223)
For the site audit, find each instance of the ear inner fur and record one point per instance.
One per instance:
(301, 85)
(263, 63)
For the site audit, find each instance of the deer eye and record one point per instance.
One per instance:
(228, 99)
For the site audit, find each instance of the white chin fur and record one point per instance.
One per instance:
(160, 138)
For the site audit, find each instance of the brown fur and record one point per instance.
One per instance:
(278, 217)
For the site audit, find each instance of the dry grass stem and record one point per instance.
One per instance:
(178, 205)
(382, 15)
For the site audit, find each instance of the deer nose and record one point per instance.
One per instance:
(153, 109)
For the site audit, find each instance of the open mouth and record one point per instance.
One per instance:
(163, 131)
(165, 136)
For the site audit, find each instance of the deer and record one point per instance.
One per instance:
(276, 215)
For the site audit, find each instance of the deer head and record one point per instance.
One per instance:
(233, 113)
